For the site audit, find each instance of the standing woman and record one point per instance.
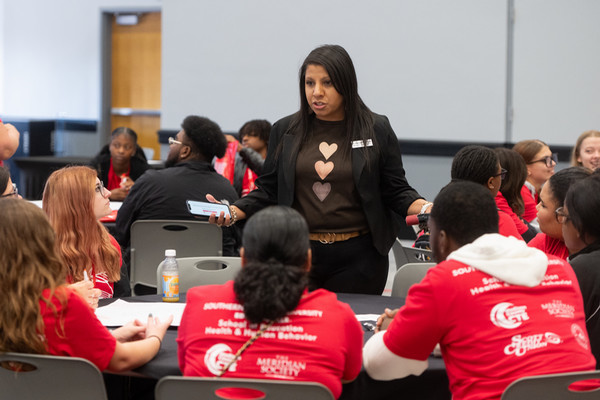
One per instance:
(120, 163)
(74, 200)
(540, 167)
(339, 164)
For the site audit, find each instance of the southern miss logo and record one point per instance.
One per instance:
(508, 316)
(217, 358)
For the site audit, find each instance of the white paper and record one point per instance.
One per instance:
(367, 317)
(120, 312)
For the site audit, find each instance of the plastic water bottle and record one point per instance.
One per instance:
(170, 277)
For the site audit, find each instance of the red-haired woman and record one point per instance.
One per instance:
(74, 199)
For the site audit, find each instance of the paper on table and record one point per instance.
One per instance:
(367, 317)
(120, 312)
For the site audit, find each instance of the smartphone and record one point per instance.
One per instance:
(207, 209)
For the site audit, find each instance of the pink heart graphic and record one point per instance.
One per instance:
(327, 149)
(321, 189)
(323, 169)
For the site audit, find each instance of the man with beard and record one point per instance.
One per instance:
(189, 175)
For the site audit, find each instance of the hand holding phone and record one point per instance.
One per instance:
(207, 209)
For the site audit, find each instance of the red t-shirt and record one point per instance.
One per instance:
(502, 205)
(549, 245)
(320, 341)
(530, 201)
(81, 333)
(490, 332)
(114, 180)
(506, 226)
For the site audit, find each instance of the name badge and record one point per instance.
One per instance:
(360, 143)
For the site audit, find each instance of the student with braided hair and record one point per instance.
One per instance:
(266, 324)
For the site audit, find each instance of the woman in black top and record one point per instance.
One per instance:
(339, 165)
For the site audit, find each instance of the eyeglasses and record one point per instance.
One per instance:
(548, 160)
(560, 215)
(101, 189)
(172, 140)
(15, 192)
(502, 174)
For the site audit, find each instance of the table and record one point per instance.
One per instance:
(432, 384)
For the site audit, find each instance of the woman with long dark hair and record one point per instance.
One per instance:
(266, 324)
(339, 164)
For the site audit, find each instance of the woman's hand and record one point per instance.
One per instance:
(231, 139)
(155, 327)
(133, 330)
(118, 194)
(384, 319)
(222, 219)
(86, 290)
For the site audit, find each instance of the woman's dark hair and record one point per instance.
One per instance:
(583, 202)
(516, 175)
(465, 210)
(475, 164)
(123, 130)
(561, 181)
(358, 119)
(206, 137)
(256, 127)
(274, 277)
(4, 176)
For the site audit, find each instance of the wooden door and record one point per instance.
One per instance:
(136, 75)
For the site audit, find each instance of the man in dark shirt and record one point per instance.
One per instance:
(162, 194)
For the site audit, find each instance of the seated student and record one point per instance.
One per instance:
(120, 163)
(7, 187)
(480, 165)
(162, 194)
(268, 308)
(499, 309)
(252, 151)
(586, 152)
(509, 198)
(540, 163)
(50, 318)
(74, 200)
(552, 197)
(580, 221)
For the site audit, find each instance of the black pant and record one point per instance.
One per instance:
(350, 266)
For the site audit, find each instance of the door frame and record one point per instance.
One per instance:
(106, 15)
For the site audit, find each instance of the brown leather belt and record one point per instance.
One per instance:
(331, 237)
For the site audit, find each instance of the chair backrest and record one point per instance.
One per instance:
(150, 239)
(177, 387)
(196, 271)
(407, 275)
(551, 387)
(49, 378)
(404, 255)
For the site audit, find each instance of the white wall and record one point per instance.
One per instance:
(50, 56)
(436, 68)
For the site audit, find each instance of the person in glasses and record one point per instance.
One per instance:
(120, 163)
(586, 152)
(188, 175)
(7, 187)
(480, 164)
(39, 314)
(540, 163)
(509, 197)
(74, 200)
(290, 333)
(580, 222)
(550, 240)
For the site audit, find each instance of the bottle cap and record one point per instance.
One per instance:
(170, 253)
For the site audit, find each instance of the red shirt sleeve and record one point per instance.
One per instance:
(354, 338)
(81, 335)
(506, 226)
